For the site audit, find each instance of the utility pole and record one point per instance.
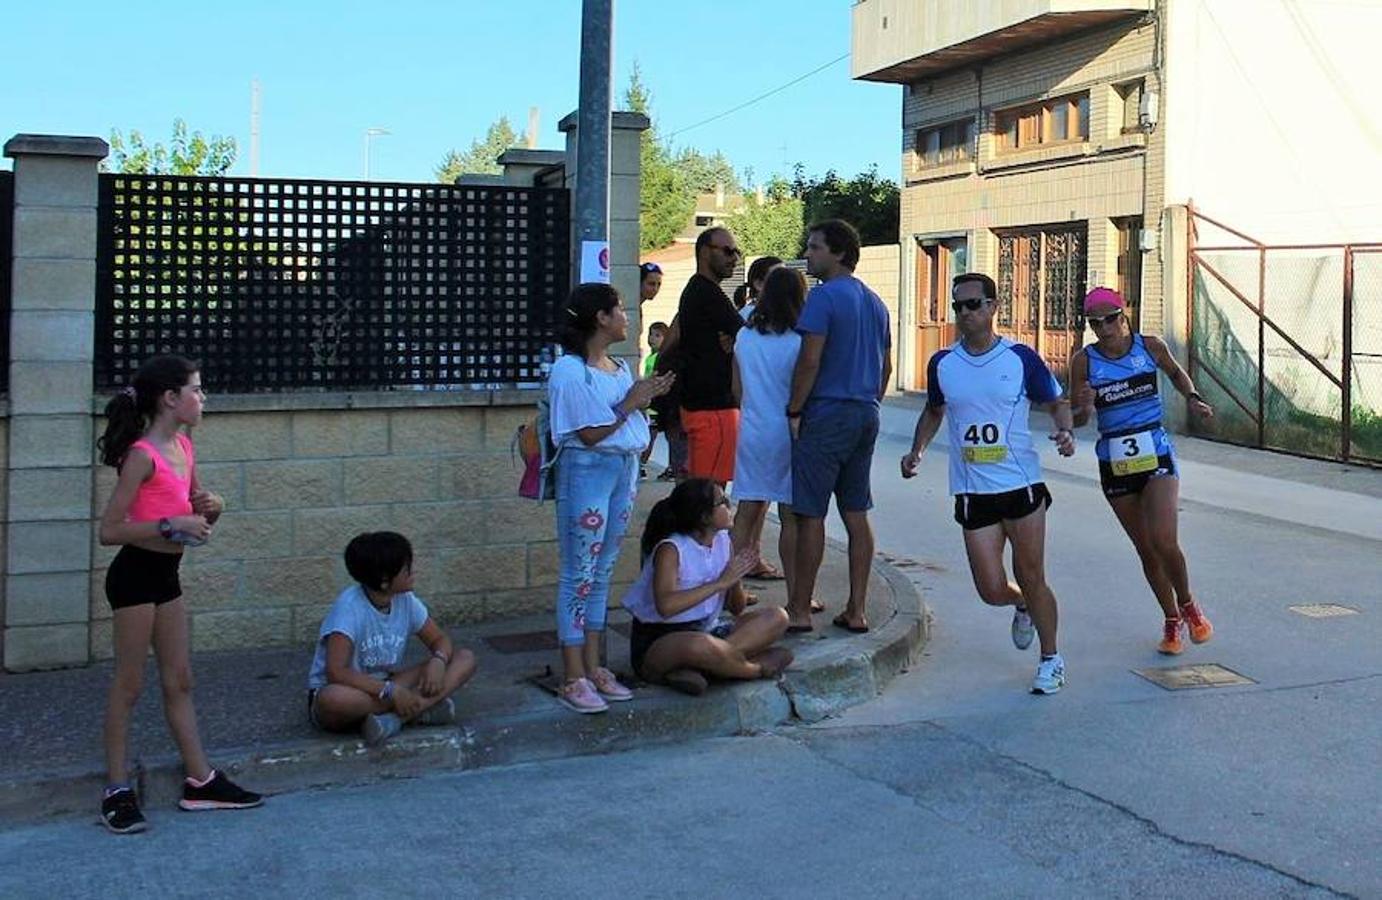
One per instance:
(593, 138)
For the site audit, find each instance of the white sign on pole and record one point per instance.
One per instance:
(595, 261)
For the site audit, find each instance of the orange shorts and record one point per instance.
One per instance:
(712, 436)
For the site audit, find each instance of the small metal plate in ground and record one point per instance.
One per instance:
(1323, 610)
(1204, 675)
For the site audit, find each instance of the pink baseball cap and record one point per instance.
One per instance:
(1102, 296)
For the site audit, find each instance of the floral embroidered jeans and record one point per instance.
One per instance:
(595, 493)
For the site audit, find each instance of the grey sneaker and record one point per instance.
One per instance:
(1023, 629)
(1050, 676)
(443, 713)
(378, 729)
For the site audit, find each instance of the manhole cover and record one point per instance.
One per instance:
(1205, 675)
(1323, 610)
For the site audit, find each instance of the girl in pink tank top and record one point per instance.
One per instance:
(156, 508)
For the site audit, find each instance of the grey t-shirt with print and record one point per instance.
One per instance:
(379, 637)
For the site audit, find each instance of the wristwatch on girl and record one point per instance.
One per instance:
(165, 528)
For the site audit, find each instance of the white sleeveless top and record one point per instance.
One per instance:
(697, 564)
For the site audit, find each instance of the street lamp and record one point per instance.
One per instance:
(370, 135)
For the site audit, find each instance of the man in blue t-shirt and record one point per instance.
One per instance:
(841, 374)
(984, 386)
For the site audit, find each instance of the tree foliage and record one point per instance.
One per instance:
(705, 173)
(666, 199)
(869, 202)
(186, 154)
(481, 158)
(772, 226)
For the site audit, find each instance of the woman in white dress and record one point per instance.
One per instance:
(765, 353)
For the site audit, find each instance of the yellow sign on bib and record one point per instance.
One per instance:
(985, 454)
(1133, 454)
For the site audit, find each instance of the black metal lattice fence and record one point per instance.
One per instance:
(6, 267)
(278, 284)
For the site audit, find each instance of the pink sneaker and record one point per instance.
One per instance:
(609, 686)
(579, 696)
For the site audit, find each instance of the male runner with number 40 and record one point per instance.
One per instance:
(985, 385)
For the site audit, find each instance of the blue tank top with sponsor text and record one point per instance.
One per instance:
(1126, 400)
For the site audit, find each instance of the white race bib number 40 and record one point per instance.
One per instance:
(1132, 454)
(983, 443)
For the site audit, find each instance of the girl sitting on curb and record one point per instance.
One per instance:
(689, 575)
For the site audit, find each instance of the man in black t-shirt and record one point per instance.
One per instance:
(706, 324)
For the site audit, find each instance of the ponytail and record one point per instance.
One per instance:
(688, 508)
(130, 412)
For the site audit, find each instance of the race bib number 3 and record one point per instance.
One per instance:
(1132, 454)
(982, 443)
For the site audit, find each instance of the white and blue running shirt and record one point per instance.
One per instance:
(988, 400)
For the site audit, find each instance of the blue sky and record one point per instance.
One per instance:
(436, 75)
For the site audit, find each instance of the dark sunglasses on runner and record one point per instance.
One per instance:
(1096, 321)
(970, 305)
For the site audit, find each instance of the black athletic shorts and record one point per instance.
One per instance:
(642, 636)
(974, 511)
(140, 576)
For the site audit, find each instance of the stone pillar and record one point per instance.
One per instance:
(624, 187)
(49, 503)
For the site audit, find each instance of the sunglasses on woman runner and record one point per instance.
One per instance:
(1096, 321)
(971, 304)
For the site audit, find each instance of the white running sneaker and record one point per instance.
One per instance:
(380, 727)
(1023, 629)
(1050, 676)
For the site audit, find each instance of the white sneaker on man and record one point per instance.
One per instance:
(1023, 630)
(1050, 676)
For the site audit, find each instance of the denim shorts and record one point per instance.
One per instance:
(832, 455)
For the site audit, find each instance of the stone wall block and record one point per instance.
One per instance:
(226, 479)
(325, 532)
(49, 547)
(307, 622)
(453, 610)
(42, 388)
(43, 232)
(500, 424)
(249, 535)
(478, 476)
(53, 284)
(211, 585)
(50, 441)
(521, 602)
(227, 437)
(47, 647)
(390, 479)
(229, 629)
(47, 598)
(50, 494)
(292, 483)
(340, 433)
(544, 563)
(481, 568)
(289, 582)
(449, 524)
(51, 335)
(436, 431)
(56, 181)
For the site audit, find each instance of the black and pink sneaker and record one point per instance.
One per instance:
(218, 793)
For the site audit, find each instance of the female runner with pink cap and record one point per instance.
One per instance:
(1116, 378)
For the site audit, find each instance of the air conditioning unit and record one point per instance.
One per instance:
(1147, 109)
(1146, 241)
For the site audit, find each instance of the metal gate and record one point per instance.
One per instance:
(1286, 342)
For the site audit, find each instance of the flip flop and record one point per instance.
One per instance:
(750, 598)
(841, 622)
(800, 629)
(767, 573)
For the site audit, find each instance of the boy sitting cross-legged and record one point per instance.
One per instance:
(357, 681)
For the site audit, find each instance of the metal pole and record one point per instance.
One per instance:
(1261, 347)
(593, 139)
(1347, 399)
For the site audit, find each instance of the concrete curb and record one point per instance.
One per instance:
(826, 679)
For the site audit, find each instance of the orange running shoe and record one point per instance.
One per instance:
(1170, 638)
(1199, 627)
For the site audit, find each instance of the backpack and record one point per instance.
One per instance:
(533, 441)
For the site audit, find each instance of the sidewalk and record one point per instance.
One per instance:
(1316, 493)
(251, 707)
